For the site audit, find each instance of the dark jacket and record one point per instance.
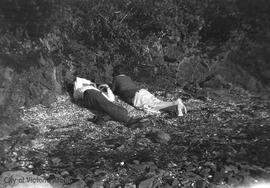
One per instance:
(125, 88)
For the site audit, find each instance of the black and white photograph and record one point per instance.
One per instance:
(134, 93)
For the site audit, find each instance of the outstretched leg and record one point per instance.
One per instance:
(176, 106)
(94, 99)
(163, 105)
(145, 100)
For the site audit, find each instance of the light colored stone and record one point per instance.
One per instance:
(77, 184)
(99, 184)
(148, 183)
(130, 185)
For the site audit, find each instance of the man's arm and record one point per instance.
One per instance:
(107, 92)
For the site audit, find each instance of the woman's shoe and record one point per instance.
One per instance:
(181, 108)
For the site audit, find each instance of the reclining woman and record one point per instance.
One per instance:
(128, 91)
(100, 100)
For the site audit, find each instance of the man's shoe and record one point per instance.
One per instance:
(98, 120)
(134, 123)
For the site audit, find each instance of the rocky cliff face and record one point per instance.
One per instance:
(36, 79)
(217, 67)
(25, 81)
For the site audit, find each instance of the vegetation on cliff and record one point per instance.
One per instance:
(199, 50)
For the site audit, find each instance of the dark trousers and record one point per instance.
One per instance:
(94, 100)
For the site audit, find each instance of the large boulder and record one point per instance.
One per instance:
(243, 66)
(190, 70)
(244, 70)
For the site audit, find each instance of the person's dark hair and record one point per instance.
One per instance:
(69, 87)
(119, 69)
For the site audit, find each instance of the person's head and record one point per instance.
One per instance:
(118, 70)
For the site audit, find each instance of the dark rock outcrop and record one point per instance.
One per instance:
(25, 81)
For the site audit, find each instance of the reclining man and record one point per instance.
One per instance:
(100, 99)
(128, 91)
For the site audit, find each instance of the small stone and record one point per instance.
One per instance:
(56, 160)
(175, 183)
(64, 173)
(77, 184)
(200, 184)
(30, 166)
(136, 162)
(148, 183)
(57, 184)
(130, 185)
(159, 136)
(98, 184)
